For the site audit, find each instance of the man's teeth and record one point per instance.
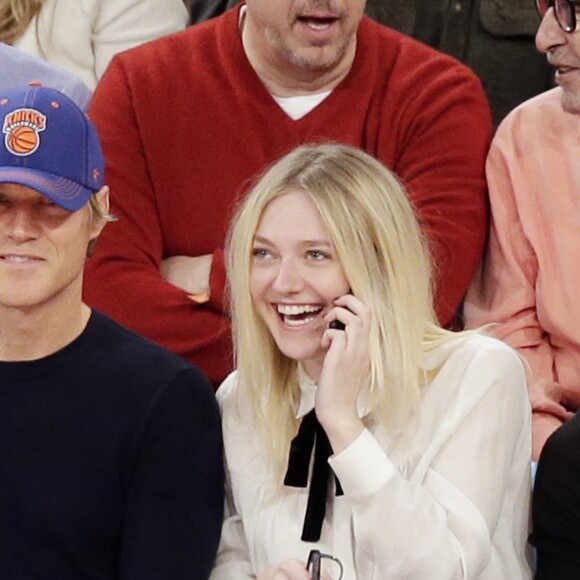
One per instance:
(317, 25)
(295, 309)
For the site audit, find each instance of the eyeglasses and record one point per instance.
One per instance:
(564, 10)
(332, 569)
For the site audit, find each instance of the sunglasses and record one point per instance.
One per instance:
(564, 10)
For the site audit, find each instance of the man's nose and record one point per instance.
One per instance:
(19, 223)
(549, 33)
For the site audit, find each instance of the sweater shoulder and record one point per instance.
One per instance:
(533, 129)
(135, 355)
(401, 50)
(538, 116)
(412, 76)
(174, 53)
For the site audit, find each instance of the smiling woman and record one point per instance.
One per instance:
(295, 277)
(400, 405)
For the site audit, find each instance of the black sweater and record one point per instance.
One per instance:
(110, 463)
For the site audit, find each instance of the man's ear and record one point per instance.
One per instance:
(103, 198)
(97, 222)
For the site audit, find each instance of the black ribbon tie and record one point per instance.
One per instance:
(311, 436)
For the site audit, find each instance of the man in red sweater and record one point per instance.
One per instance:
(188, 121)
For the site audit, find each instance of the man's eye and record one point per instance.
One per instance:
(51, 207)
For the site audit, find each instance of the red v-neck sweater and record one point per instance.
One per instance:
(186, 124)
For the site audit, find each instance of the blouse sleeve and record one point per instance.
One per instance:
(452, 502)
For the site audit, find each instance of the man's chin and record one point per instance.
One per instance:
(571, 103)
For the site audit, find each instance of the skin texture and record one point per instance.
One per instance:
(301, 45)
(295, 266)
(43, 249)
(287, 570)
(299, 267)
(563, 52)
(189, 274)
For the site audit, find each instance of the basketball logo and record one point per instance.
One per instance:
(22, 129)
(22, 140)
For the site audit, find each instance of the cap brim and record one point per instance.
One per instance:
(64, 192)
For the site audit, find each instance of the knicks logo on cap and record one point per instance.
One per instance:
(22, 128)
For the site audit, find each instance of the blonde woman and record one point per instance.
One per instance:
(428, 431)
(82, 36)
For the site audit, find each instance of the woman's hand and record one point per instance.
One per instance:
(287, 570)
(344, 372)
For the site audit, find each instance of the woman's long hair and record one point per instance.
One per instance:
(377, 239)
(15, 17)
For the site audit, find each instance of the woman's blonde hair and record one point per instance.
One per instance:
(15, 17)
(377, 239)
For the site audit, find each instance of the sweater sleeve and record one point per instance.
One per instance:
(175, 496)
(445, 127)
(504, 290)
(455, 501)
(123, 277)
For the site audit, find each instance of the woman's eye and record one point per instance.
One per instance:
(317, 255)
(260, 253)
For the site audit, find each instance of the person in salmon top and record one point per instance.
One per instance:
(528, 283)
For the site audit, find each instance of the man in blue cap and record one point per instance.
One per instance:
(110, 447)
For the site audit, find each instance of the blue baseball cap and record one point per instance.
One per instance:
(49, 145)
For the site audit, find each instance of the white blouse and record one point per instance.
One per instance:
(82, 36)
(451, 501)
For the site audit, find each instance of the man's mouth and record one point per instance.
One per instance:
(298, 314)
(316, 22)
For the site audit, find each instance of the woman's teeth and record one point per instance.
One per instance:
(298, 315)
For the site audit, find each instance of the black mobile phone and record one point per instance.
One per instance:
(337, 325)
